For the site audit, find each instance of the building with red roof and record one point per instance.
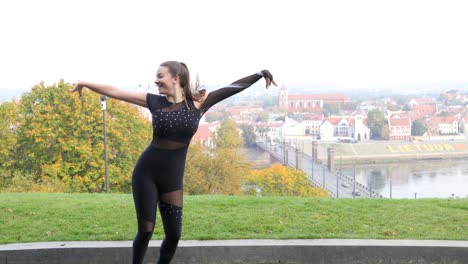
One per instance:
(420, 101)
(206, 133)
(346, 127)
(421, 111)
(399, 127)
(307, 102)
(444, 125)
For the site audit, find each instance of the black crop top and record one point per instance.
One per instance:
(174, 124)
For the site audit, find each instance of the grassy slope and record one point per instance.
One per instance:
(64, 217)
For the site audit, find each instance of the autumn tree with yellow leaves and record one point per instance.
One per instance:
(219, 170)
(278, 180)
(8, 126)
(58, 141)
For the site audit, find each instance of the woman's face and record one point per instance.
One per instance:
(165, 81)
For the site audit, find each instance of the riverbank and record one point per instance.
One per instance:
(389, 152)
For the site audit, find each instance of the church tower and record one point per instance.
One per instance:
(283, 98)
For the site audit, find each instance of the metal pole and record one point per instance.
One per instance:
(390, 187)
(312, 172)
(337, 186)
(103, 107)
(341, 165)
(354, 179)
(323, 177)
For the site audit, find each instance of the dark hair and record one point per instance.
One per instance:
(181, 69)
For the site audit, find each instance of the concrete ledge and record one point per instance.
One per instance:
(323, 251)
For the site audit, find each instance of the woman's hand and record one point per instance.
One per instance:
(78, 88)
(269, 78)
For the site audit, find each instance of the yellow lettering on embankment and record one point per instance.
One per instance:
(408, 148)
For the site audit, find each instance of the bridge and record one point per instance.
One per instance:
(336, 183)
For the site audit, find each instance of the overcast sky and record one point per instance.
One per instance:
(346, 44)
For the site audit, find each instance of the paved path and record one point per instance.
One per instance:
(307, 251)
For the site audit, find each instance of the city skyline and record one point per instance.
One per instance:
(333, 45)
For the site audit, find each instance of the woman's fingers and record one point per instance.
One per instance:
(77, 88)
(268, 78)
(269, 82)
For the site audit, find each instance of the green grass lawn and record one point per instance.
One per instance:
(31, 217)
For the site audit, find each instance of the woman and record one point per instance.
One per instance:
(158, 174)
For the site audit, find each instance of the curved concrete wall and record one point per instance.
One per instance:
(246, 252)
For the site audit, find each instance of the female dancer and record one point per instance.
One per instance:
(158, 175)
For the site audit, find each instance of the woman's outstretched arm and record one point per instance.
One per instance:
(113, 92)
(222, 93)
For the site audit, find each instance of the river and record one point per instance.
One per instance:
(420, 179)
(440, 178)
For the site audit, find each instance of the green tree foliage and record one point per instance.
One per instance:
(279, 180)
(248, 134)
(393, 107)
(401, 99)
(218, 170)
(418, 128)
(442, 98)
(269, 101)
(330, 109)
(8, 125)
(350, 106)
(60, 139)
(211, 117)
(455, 102)
(262, 117)
(376, 122)
(280, 118)
(228, 135)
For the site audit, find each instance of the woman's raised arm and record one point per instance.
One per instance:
(113, 92)
(222, 93)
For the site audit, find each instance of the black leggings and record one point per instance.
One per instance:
(157, 179)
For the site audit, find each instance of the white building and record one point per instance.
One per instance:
(352, 127)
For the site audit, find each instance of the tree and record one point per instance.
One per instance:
(442, 98)
(418, 128)
(248, 134)
(8, 126)
(262, 117)
(376, 122)
(269, 101)
(217, 171)
(455, 102)
(330, 109)
(60, 139)
(196, 178)
(227, 135)
(280, 118)
(393, 107)
(279, 180)
(400, 99)
(350, 106)
(213, 116)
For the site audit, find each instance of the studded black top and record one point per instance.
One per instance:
(159, 172)
(174, 124)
